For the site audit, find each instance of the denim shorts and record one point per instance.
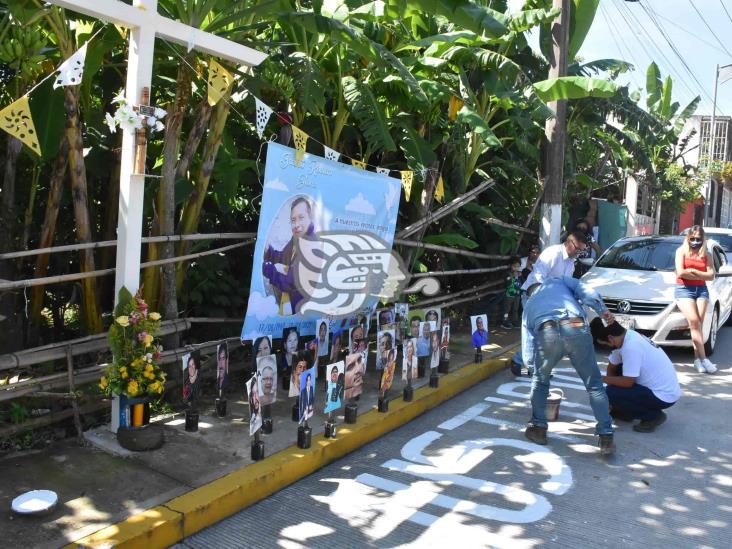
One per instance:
(683, 291)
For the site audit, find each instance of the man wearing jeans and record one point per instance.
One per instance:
(557, 323)
(554, 261)
(641, 379)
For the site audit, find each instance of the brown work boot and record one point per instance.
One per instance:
(536, 434)
(607, 446)
(649, 425)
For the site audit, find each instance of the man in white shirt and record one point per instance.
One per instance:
(554, 262)
(641, 379)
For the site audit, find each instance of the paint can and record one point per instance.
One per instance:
(553, 400)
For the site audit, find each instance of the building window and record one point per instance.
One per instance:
(722, 128)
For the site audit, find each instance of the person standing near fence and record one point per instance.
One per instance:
(512, 302)
(555, 261)
(694, 266)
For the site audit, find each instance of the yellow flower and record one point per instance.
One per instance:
(154, 316)
(132, 388)
(123, 372)
(123, 321)
(149, 375)
(103, 383)
(148, 340)
(149, 367)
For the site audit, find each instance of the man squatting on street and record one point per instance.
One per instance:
(557, 325)
(641, 379)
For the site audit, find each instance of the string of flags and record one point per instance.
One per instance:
(263, 113)
(17, 120)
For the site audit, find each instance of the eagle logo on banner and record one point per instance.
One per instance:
(340, 271)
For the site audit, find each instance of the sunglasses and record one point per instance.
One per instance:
(695, 240)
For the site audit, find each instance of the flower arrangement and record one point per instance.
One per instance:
(135, 352)
(127, 118)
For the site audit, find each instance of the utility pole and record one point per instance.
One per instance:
(556, 133)
(710, 198)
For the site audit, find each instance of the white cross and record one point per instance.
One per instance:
(144, 22)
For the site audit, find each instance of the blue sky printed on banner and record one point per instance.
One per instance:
(341, 198)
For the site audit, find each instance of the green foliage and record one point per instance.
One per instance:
(18, 413)
(451, 239)
(574, 87)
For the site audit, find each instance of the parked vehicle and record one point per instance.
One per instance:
(723, 236)
(636, 279)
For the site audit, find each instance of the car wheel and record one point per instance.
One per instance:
(713, 329)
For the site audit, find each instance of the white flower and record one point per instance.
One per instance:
(160, 113)
(111, 122)
(120, 98)
(150, 121)
(159, 125)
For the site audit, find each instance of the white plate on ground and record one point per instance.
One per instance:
(35, 502)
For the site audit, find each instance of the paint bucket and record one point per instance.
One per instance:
(553, 400)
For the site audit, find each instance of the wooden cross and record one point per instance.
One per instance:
(145, 23)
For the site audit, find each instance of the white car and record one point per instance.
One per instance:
(636, 279)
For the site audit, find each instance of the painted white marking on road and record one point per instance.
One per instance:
(519, 427)
(457, 459)
(523, 403)
(536, 506)
(462, 418)
(421, 488)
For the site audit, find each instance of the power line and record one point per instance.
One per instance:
(675, 50)
(725, 11)
(618, 44)
(708, 27)
(693, 34)
(670, 67)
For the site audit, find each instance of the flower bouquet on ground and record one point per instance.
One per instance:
(134, 370)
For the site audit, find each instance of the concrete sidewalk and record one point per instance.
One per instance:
(109, 496)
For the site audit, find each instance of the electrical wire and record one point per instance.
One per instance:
(708, 27)
(725, 11)
(613, 32)
(676, 52)
(682, 29)
(669, 67)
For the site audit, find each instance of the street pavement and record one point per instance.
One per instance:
(464, 473)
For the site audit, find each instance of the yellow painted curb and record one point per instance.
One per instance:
(181, 517)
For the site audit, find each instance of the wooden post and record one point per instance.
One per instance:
(556, 133)
(74, 402)
(141, 138)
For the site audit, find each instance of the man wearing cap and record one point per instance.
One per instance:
(557, 323)
(641, 379)
(554, 261)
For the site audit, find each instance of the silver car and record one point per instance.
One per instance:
(636, 279)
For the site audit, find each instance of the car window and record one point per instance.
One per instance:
(716, 256)
(642, 255)
(725, 240)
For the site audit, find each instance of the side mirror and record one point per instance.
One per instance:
(589, 262)
(725, 270)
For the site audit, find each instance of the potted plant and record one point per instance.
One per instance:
(135, 374)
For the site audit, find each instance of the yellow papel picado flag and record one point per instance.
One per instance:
(407, 178)
(357, 163)
(219, 80)
(16, 119)
(301, 139)
(440, 190)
